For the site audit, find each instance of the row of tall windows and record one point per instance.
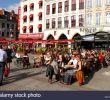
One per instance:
(89, 18)
(66, 6)
(66, 22)
(98, 3)
(32, 6)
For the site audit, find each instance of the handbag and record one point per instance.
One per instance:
(6, 71)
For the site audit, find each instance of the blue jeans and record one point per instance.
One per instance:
(1, 72)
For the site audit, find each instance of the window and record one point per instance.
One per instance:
(48, 10)
(98, 18)
(81, 4)
(66, 6)
(47, 23)
(31, 29)
(81, 21)
(98, 3)
(73, 21)
(24, 31)
(40, 29)
(12, 26)
(59, 22)
(107, 2)
(66, 22)
(7, 34)
(60, 7)
(3, 34)
(53, 22)
(40, 16)
(24, 18)
(108, 17)
(73, 5)
(53, 8)
(25, 8)
(31, 6)
(3, 25)
(40, 5)
(89, 3)
(89, 19)
(31, 17)
(8, 26)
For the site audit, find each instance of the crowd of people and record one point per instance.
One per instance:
(66, 66)
(78, 64)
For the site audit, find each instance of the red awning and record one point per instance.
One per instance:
(31, 26)
(40, 13)
(18, 27)
(40, 25)
(60, 41)
(40, 2)
(24, 6)
(24, 17)
(31, 15)
(32, 4)
(24, 27)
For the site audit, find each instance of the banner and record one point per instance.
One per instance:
(19, 13)
(54, 95)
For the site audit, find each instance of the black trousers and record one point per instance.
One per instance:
(2, 65)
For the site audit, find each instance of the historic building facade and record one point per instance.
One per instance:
(63, 19)
(97, 16)
(31, 24)
(55, 19)
(8, 24)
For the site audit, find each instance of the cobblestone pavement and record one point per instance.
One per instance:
(35, 79)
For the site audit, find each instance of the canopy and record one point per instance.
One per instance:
(40, 13)
(39, 25)
(31, 26)
(24, 6)
(40, 2)
(32, 4)
(24, 27)
(31, 15)
(24, 17)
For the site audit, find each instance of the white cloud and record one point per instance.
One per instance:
(13, 7)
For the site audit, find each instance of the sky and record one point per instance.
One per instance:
(10, 4)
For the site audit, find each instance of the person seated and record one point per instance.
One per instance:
(18, 58)
(26, 60)
(79, 71)
(70, 70)
(37, 61)
(52, 69)
(47, 58)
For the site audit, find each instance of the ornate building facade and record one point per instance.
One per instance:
(8, 24)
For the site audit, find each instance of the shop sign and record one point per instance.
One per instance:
(88, 30)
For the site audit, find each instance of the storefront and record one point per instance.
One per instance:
(97, 40)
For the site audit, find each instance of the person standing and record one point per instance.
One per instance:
(3, 62)
(9, 55)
